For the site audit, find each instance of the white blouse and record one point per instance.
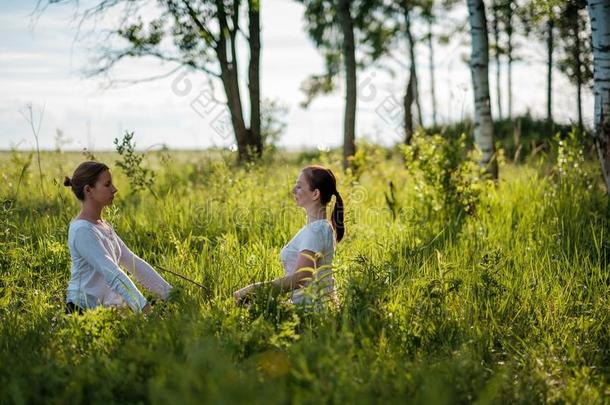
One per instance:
(317, 237)
(97, 279)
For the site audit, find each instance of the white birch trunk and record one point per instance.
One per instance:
(479, 61)
(599, 12)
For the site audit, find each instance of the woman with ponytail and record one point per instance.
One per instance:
(98, 253)
(313, 246)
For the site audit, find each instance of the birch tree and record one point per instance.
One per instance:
(576, 58)
(479, 61)
(599, 13)
(497, 52)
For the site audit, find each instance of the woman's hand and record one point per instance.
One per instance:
(241, 295)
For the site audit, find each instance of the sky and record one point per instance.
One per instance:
(43, 60)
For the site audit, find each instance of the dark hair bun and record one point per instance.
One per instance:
(86, 174)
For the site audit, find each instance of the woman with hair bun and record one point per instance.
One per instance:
(97, 252)
(313, 246)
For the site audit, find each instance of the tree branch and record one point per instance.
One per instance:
(131, 82)
(199, 24)
(111, 58)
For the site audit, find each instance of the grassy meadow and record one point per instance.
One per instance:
(451, 289)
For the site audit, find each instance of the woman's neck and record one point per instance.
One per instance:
(90, 212)
(316, 214)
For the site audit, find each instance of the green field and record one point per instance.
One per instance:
(451, 289)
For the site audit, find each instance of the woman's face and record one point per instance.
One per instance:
(103, 191)
(302, 193)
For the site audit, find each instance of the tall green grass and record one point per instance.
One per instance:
(495, 293)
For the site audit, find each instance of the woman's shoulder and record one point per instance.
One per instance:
(321, 225)
(78, 223)
(321, 228)
(77, 229)
(316, 229)
(83, 225)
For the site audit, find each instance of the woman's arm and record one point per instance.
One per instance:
(90, 248)
(143, 272)
(303, 272)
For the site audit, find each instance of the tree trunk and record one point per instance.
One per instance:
(479, 61)
(231, 87)
(509, 54)
(496, 30)
(249, 144)
(408, 104)
(349, 58)
(411, 44)
(599, 12)
(230, 83)
(254, 42)
(577, 58)
(549, 75)
(433, 87)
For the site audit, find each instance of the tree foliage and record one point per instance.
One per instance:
(371, 32)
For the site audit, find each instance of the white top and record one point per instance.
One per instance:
(317, 237)
(96, 252)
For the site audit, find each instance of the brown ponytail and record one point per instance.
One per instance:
(337, 217)
(323, 179)
(86, 174)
